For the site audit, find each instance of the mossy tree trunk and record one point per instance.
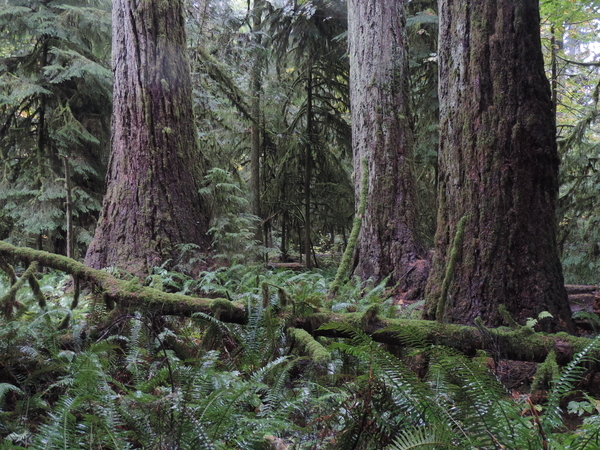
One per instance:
(382, 135)
(498, 167)
(255, 86)
(152, 202)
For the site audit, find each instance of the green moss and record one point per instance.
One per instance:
(508, 318)
(370, 314)
(450, 267)
(221, 305)
(545, 373)
(37, 291)
(133, 285)
(344, 266)
(283, 297)
(306, 342)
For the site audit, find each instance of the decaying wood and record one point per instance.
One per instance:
(517, 344)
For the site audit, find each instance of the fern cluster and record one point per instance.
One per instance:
(459, 403)
(140, 380)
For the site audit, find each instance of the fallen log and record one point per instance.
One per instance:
(517, 344)
(523, 344)
(130, 293)
(576, 289)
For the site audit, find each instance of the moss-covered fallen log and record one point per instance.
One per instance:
(523, 344)
(518, 344)
(309, 345)
(130, 293)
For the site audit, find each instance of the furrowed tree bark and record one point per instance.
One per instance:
(382, 135)
(152, 202)
(498, 168)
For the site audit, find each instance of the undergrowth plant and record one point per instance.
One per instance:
(459, 403)
(139, 380)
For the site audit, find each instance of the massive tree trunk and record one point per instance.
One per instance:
(152, 202)
(496, 234)
(382, 135)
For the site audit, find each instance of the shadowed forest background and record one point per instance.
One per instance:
(299, 224)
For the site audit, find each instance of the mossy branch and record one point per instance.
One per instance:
(127, 293)
(8, 300)
(9, 270)
(219, 73)
(309, 345)
(342, 272)
(35, 288)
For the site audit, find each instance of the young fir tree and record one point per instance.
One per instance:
(310, 185)
(55, 94)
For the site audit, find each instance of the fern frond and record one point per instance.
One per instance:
(571, 374)
(480, 405)
(7, 387)
(423, 437)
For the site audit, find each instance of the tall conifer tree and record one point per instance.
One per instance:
(382, 135)
(152, 203)
(498, 169)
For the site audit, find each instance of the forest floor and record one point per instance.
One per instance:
(517, 376)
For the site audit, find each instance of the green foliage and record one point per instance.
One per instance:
(232, 227)
(288, 42)
(571, 38)
(146, 381)
(590, 317)
(421, 27)
(459, 404)
(55, 97)
(130, 390)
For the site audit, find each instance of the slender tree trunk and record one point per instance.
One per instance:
(255, 126)
(554, 46)
(152, 202)
(382, 135)
(498, 162)
(68, 207)
(42, 159)
(308, 170)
